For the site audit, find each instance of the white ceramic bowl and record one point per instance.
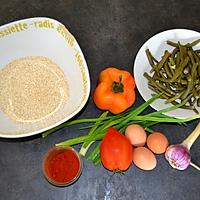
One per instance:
(45, 37)
(157, 45)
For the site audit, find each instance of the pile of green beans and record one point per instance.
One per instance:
(177, 75)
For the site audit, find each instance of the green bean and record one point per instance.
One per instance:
(149, 56)
(182, 50)
(183, 106)
(194, 43)
(196, 94)
(197, 51)
(195, 55)
(192, 101)
(147, 76)
(178, 59)
(159, 89)
(172, 57)
(163, 60)
(177, 88)
(179, 78)
(197, 88)
(164, 94)
(174, 98)
(177, 74)
(198, 70)
(197, 61)
(198, 102)
(167, 70)
(154, 68)
(162, 88)
(180, 69)
(151, 60)
(162, 74)
(189, 87)
(173, 44)
(171, 67)
(194, 71)
(195, 110)
(155, 76)
(164, 80)
(186, 70)
(191, 57)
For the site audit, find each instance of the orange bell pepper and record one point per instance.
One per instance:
(115, 90)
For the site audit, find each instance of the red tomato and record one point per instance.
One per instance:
(116, 151)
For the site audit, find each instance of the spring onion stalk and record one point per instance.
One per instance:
(137, 110)
(108, 121)
(195, 166)
(178, 155)
(87, 145)
(120, 122)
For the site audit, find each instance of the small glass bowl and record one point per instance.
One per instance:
(48, 160)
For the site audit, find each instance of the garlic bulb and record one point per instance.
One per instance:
(178, 155)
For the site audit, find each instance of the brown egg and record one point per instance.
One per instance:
(144, 159)
(136, 134)
(157, 142)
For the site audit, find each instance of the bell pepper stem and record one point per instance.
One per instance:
(188, 142)
(118, 87)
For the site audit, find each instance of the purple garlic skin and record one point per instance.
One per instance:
(178, 156)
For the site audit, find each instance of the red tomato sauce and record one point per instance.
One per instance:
(62, 165)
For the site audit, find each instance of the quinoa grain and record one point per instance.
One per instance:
(32, 88)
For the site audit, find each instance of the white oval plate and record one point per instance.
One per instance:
(45, 37)
(157, 45)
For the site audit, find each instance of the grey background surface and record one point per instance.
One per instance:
(110, 32)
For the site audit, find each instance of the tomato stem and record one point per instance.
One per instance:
(118, 172)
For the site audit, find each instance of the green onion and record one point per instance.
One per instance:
(87, 145)
(120, 122)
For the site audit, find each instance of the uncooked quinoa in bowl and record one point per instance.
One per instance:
(44, 78)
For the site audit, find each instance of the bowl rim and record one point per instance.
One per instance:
(87, 93)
